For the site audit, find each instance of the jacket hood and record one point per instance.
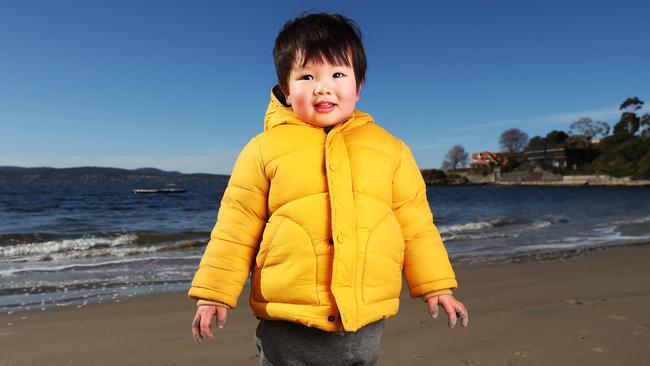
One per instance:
(278, 113)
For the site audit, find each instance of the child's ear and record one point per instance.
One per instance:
(359, 90)
(279, 93)
(286, 97)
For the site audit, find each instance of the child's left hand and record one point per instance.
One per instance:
(452, 307)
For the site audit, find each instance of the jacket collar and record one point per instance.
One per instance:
(278, 113)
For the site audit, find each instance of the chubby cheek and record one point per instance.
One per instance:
(348, 99)
(301, 104)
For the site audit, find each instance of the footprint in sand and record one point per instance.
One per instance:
(618, 317)
(574, 302)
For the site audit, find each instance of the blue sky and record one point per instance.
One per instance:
(183, 85)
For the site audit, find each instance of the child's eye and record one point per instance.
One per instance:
(306, 77)
(338, 75)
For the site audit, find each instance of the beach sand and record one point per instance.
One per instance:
(588, 311)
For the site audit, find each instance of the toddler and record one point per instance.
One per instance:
(327, 210)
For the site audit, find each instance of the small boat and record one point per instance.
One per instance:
(160, 190)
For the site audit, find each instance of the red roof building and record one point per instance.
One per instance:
(487, 158)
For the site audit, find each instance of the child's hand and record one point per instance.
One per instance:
(201, 325)
(453, 308)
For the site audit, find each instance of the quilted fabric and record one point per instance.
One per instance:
(327, 222)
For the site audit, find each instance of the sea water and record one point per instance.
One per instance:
(71, 245)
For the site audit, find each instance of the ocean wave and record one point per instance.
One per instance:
(475, 226)
(131, 251)
(607, 235)
(491, 229)
(640, 220)
(481, 236)
(149, 237)
(36, 249)
(92, 265)
(123, 245)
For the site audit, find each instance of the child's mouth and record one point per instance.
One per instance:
(324, 107)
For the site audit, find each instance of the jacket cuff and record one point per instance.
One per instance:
(215, 303)
(428, 295)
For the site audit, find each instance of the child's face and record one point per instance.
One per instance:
(322, 94)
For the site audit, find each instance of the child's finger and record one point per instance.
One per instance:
(196, 329)
(451, 313)
(205, 326)
(464, 315)
(222, 314)
(433, 306)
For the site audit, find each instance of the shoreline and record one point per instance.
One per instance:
(631, 184)
(92, 296)
(586, 310)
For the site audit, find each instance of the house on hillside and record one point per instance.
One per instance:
(488, 159)
(559, 156)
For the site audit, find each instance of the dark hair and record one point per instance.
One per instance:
(319, 36)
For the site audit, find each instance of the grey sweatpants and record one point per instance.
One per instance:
(281, 343)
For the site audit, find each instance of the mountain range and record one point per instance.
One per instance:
(13, 174)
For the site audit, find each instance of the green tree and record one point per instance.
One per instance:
(629, 122)
(644, 122)
(631, 104)
(588, 128)
(643, 168)
(536, 143)
(623, 155)
(556, 137)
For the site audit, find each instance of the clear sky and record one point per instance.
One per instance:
(183, 85)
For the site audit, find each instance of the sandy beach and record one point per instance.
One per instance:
(587, 311)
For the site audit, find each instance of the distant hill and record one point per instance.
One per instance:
(11, 174)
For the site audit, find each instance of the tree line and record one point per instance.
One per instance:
(623, 150)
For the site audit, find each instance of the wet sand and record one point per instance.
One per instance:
(588, 311)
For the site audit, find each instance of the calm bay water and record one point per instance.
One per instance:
(70, 245)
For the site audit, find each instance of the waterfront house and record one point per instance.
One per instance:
(559, 156)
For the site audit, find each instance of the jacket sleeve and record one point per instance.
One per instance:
(426, 263)
(235, 238)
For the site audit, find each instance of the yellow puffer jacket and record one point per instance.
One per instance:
(326, 222)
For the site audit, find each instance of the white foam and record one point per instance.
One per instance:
(90, 247)
(608, 236)
(454, 237)
(471, 230)
(96, 264)
(540, 224)
(31, 250)
(640, 220)
(473, 226)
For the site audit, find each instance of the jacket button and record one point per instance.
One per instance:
(339, 238)
(331, 318)
(332, 166)
(331, 241)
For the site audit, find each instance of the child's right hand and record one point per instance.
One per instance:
(201, 325)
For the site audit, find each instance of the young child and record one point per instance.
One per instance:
(327, 210)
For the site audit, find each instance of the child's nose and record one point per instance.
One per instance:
(322, 89)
